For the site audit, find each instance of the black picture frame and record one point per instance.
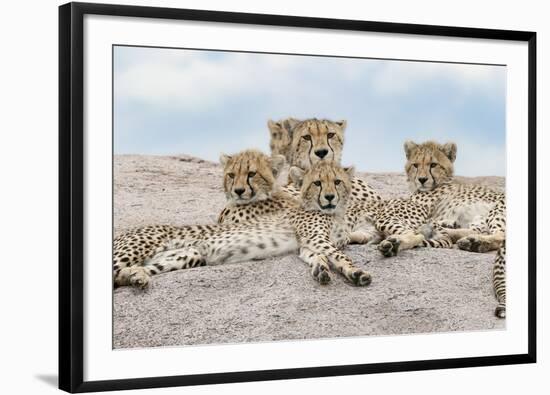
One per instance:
(71, 180)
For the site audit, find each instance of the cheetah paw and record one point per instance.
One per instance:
(473, 244)
(138, 277)
(389, 247)
(360, 278)
(320, 273)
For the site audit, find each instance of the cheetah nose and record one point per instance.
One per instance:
(329, 197)
(422, 180)
(321, 153)
(239, 191)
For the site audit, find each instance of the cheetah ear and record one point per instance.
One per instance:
(274, 126)
(290, 124)
(350, 170)
(409, 146)
(297, 176)
(224, 159)
(277, 163)
(449, 149)
(342, 124)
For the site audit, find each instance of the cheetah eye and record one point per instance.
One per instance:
(330, 135)
(337, 182)
(307, 137)
(231, 175)
(415, 165)
(318, 183)
(432, 165)
(251, 174)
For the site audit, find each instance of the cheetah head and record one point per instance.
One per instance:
(429, 164)
(281, 136)
(325, 187)
(249, 176)
(315, 140)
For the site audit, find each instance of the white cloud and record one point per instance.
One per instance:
(394, 78)
(193, 83)
(200, 81)
(196, 81)
(475, 159)
(216, 86)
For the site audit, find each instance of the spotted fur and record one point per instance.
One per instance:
(472, 216)
(278, 199)
(153, 250)
(499, 281)
(280, 133)
(317, 228)
(314, 140)
(475, 214)
(304, 143)
(321, 226)
(249, 176)
(254, 172)
(310, 141)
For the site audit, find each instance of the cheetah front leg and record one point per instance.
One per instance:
(460, 233)
(128, 269)
(482, 243)
(318, 263)
(399, 242)
(137, 276)
(342, 263)
(475, 229)
(439, 238)
(339, 261)
(496, 224)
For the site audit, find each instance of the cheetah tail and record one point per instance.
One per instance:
(499, 281)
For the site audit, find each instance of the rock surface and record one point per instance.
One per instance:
(419, 291)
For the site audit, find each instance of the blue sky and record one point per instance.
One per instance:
(202, 103)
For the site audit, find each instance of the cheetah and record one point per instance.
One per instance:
(316, 228)
(251, 189)
(281, 136)
(472, 216)
(251, 192)
(243, 183)
(306, 142)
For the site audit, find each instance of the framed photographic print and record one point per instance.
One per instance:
(251, 197)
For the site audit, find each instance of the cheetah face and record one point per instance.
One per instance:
(325, 187)
(249, 176)
(281, 136)
(316, 140)
(429, 164)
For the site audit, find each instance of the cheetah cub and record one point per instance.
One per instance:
(316, 228)
(318, 224)
(472, 216)
(249, 184)
(306, 142)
